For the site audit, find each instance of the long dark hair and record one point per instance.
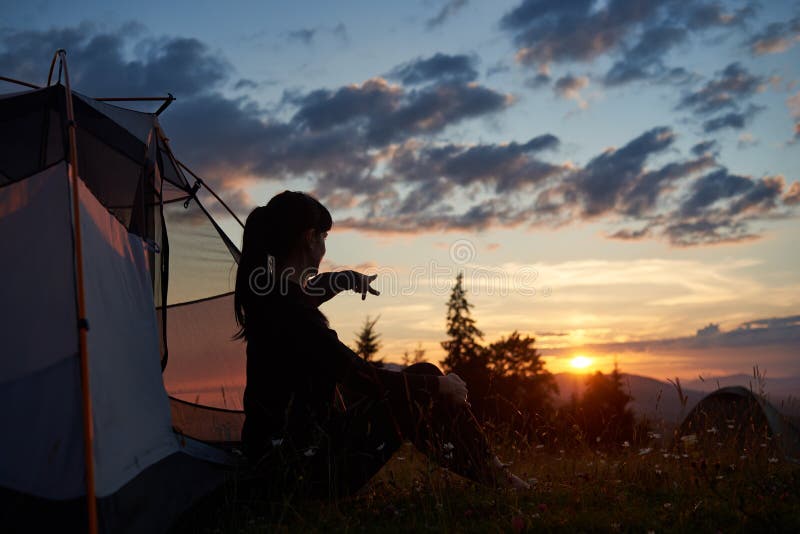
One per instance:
(273, 230)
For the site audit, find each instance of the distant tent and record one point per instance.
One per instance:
(154, 271)
(737, 417)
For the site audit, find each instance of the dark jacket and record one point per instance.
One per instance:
(295, 361)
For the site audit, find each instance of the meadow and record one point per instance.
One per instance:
(658, 485)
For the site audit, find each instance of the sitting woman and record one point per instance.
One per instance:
(297, 429)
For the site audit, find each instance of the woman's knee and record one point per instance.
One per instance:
(423, 368)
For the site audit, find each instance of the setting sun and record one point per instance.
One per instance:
(580, 362)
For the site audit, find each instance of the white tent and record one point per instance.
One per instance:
(84, 337)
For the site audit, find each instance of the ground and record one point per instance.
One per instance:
(651, 487)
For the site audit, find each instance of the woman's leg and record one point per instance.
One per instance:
(361, 440)
(451, 435)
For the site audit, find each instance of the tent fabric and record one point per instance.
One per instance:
(158, 274)
(737, 416)
(131, 411)
(36, 286)
(132, 424)
(150, 503)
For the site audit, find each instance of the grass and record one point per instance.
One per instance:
(646, 488)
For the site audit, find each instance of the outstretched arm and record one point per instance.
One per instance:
(325, 286)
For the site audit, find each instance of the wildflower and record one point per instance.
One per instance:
(277, 442)
(689, 439)
(764, 445)
(401, 458)
(626, 444)
(381, 446)
(448, 446)
(667, 505)
(773, 460)
(730, 426)
(540, 446)
(646, 450)
(311, 451)
(712, 430)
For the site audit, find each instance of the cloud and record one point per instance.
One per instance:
(499, 67)
(705, 147)
(724, 92)
(747, 140)
(792, 197)
(439, 67)
(182, 66)
(540, 80)
(643, 61)
(725, 99)
(637, 35)
(449, 9)
(304, 35)
(599, 186)
(793, 103)
(714, 187)
(776, 37)
(735, 120)
(569, 87)
(374, 151)
(769, 342)
(385, 112)
(307, 36)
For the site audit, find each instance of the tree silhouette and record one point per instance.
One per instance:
(519, 384)
(463, 348)
(604, 411)
(368, 341)
(417, 356)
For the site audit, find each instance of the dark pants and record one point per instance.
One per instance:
(358, 441)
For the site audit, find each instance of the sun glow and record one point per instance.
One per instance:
(580, 362)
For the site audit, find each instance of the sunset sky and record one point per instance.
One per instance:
(611, 176)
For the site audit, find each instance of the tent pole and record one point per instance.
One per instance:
(19, 82)
(215, 195)
(83, 325)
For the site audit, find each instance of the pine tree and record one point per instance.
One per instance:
(462, 347)
(520, 386)
(605, 408)
(368, 340)
(418, 356)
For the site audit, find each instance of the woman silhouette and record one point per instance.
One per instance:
(297, 429)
